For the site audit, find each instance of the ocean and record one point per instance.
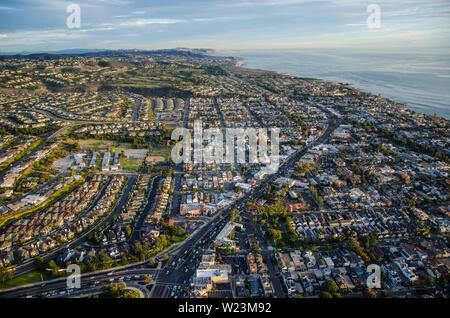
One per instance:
(421, 81)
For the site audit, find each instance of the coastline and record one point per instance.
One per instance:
(416, 91)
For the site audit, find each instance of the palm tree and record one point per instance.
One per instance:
(148, 279)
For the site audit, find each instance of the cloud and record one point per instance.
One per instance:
(262, 3)
(116, 2)
(145, 22)
(11, 41)
(4, 8)
(212, 19)
(356, 24)
(231, 23)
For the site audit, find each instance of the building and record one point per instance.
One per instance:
(223, 239)
(9, 180)
(105, 161)
(209, 274)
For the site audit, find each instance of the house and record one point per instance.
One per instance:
(9, 180)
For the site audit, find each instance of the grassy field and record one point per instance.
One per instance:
(160, 152)
(27, 278)
(104, 145)
(130, 164)
(145, 79)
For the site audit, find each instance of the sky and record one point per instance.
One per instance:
(405, 25)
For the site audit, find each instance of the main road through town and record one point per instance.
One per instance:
(182, 264)
(185, 257)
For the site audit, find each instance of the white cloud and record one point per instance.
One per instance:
(212, 19)
(32, 38)
(356, 24)
(4, 8)
(144, 22)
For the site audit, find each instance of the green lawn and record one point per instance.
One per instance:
(160, 151)
(104, 144)
(130, 164)
(27, 278)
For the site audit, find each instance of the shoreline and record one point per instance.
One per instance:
(243, 62)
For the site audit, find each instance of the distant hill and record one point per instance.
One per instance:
(49, 54)
(59, 52)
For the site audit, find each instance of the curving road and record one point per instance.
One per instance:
(186, 255)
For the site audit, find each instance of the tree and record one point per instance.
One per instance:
(325, 294)
(256, 248)
(320, 202)
(5, 274)
(105, 260)
(128, 231)
(233, 214)
(431, 281)
(356, 247)
(148, 279)
(54, 268)
(40, 263)
(305, 167)
(330, 286)
(114, 290)
(275, 234)
(138, 250)
(124, 260)
(128, 293)
(104, 63)
(369, 293)
(293, 235)
(161, 242)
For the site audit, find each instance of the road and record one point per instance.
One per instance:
(24, 268)
(136, 110)
(148, 207)
(176, 197)
(185, 258)
(88, 280)
(190, 253)
(267, 253)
